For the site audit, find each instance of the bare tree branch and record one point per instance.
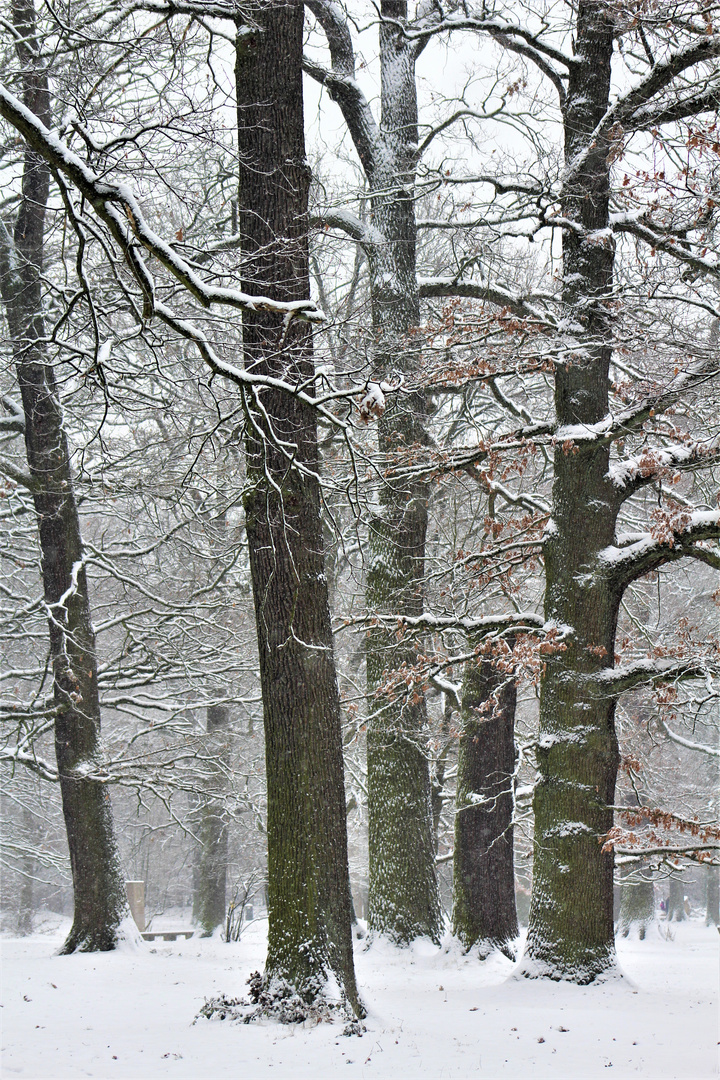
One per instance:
(689, 744)
(117, 207)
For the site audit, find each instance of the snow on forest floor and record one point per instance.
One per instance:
(431, 1014)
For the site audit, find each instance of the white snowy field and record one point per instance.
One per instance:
(431, 1013)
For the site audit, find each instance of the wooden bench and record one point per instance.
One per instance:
(166, 935)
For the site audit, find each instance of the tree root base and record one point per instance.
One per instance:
(89, 941)
(280, 1002)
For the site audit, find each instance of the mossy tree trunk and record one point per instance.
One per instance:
(309, 934)
(588, 565)
(403, 901)
(99, 894)
(570, 934)
(484, 913)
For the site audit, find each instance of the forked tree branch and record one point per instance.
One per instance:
(117, 206)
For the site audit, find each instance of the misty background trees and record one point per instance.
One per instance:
(469, 412)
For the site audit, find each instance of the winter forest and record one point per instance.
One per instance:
(360, 520)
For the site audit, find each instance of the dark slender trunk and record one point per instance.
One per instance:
(403, 898)
(98, 888)
(712, 896)
(403, 894)
(676, 900)
(637, 891)
(637, 902)
(484, 912)
(570, 935)
(27, 867)
(309, 936)
(210, 870)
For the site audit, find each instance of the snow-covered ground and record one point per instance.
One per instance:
(432, 1013)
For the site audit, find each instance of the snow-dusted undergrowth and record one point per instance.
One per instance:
(431, 1013)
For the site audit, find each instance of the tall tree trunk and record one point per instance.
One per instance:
(675, 900)
(712, 896)
(484, 912)
(210, 865)
(210, 870)
(97, 882)
(403, 895)
(637, 891)
(27, 867)
(309, 936)
(637, 903)
(570, 935)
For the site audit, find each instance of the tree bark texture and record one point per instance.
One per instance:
(403, 893)
(570, 933)
(212, 853)
(484, 912)
(403, 900)
(97, 881)
(309, 936)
